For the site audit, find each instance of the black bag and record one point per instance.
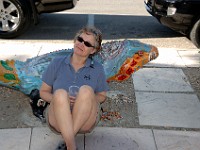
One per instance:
(37, 104)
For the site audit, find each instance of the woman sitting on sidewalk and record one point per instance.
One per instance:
(69, 115)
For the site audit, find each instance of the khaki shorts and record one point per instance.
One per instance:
(99, 114)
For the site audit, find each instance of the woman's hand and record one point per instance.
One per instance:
(72, 100)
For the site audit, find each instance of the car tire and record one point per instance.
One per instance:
(15, 18)
(195, 34)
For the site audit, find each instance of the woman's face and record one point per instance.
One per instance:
(84, 45)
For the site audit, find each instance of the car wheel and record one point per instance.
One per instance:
(15, 17)
(195, 34)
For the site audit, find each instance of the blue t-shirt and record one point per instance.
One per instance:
(60, 74)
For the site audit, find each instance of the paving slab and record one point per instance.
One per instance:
(190, 58)
(168, 109)
(120, 139)
(44, 139)
(161, 79)
(168, 57)
(15, 139)
(22, 51)
(50, 47)
(177, 140)
(18, 51)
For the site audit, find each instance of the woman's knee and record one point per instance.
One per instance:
(60, 95)
(86, 90)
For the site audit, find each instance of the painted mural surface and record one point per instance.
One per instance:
(120, 60)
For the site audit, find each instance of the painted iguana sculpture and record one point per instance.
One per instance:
(119, 58)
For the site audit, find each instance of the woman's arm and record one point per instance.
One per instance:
(45, 92)
(101, 97)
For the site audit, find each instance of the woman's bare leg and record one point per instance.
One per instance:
(82, 118)
(84, 110)
(60, 117)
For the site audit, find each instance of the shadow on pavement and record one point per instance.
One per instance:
(57, 26)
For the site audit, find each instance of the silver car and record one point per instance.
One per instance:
(17, 15)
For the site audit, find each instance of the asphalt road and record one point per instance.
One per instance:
(118, 19)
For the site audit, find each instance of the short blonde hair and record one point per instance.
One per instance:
(95, 32)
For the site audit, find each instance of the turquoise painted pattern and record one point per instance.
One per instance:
(112, 57)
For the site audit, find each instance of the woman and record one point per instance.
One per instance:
(69, 115)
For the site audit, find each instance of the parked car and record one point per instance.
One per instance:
(180, 15)
(17, 15)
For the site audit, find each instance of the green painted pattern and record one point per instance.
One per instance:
(9, 76)
(6, 66)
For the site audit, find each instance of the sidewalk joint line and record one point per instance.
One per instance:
(173, 92)
(30, 138)
(168, 67)
(39, 51)
(84, 140)
(154, 139)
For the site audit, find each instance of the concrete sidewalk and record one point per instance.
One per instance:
(164, 98)
(102, 138)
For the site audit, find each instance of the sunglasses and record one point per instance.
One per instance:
(80, 39)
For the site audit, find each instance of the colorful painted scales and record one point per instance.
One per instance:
(122, 58)
(119, 58)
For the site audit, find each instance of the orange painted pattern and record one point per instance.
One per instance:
(134, 63)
